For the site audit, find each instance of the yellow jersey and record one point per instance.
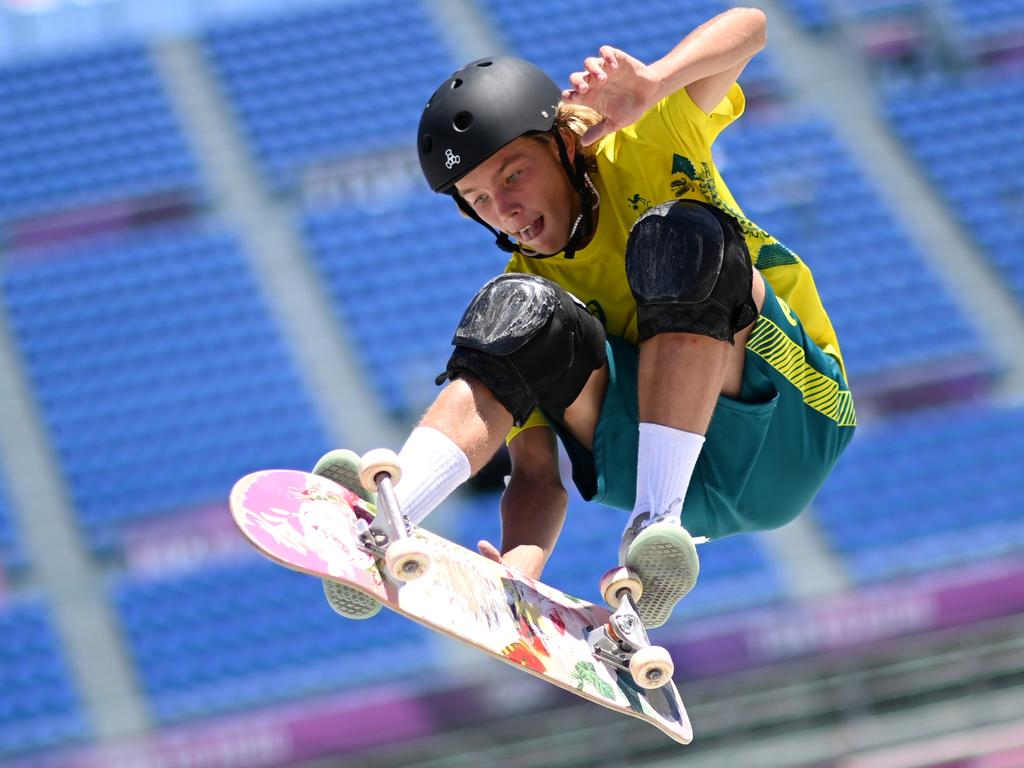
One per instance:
(666, 155)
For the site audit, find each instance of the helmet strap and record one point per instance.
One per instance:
(577, 173)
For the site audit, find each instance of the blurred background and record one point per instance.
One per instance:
(217, 255)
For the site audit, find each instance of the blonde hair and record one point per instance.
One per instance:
(576, 118)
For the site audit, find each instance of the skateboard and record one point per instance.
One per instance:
(313, 525)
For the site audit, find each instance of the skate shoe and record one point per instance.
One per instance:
(342, 466)
(664, 556)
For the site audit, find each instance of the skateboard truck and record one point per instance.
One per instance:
(623, 642)
(389, 537)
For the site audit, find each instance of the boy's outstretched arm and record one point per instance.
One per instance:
(533, 505)
(710, 59)
(706, 62)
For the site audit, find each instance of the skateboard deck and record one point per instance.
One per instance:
(306, 523)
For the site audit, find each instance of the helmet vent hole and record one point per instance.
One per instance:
(485, 63)
(426, 144)
(456, 83)
(462, 121)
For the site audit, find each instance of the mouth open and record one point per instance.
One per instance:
(532, 231)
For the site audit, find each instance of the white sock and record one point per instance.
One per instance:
(432, 467)
(665, 462)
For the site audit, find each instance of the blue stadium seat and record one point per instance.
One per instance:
(40, 707)
(965, 134)
(160, 374)
(558, 42)
(927, 490)
(400, 277)
(314, 86)
(816, 16)
(821, 16)
(242, 633)
(980, 25)
(794, 178)
(86, 128)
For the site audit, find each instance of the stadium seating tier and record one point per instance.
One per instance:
(39, 706)
(400, 276)
(314, 86)
(88, 128)
(159, 373)
(242, 633)
(891, 310)
(943, 490)
(965, 135)
(559, 42)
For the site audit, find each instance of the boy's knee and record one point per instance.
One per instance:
(690, 272)
(530, 342)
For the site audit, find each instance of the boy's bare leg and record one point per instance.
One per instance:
(680, 378)
(471, 417)
(458, 435)
(681, 375)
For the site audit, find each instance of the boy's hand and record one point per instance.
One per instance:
(528, 561)
(618, 86)
(489, 551)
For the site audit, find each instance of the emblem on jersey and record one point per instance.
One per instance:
(774, 254)
(638, 203)
(702, 182)
(682, 164)
(451, 159)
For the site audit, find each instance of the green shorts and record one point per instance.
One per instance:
(766, 454)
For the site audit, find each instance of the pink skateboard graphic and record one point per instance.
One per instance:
(310, 524)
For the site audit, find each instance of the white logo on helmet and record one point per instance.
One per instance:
(451, 159)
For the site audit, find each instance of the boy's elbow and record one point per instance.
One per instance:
(759, 26)
(756, 22)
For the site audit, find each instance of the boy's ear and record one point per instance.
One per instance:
(569, 138)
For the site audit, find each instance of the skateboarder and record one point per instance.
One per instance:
(679, 352)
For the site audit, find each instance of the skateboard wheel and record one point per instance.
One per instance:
(651, 667)
(376, 461)
(616, 580)
(407, 559)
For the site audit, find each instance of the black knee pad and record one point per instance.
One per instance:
(530, 342)
(690, 271)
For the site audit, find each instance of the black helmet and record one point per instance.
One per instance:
(477, 111)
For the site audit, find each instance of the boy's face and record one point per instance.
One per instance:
(523, 191)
